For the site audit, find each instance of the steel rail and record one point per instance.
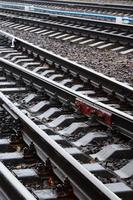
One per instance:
(85, 72)
(10, 185)
(89, 186)
(115, 7)
(82, 32)
(121, 39)
(123, 121)
(70, 19)
(90, 3)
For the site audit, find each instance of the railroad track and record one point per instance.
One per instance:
(76, 30)
(26, 172)
(115, 9)
(84, 129)
(22, 157)
(95, 86)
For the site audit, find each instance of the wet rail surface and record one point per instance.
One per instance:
(86, 132)
(76, 30)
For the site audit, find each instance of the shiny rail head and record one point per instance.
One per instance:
(77, 168)
(67, 62)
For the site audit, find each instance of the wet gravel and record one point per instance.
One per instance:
(105, 61)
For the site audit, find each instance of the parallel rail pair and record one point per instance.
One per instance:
(105, 31)
(87, 185)
(83, 5)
